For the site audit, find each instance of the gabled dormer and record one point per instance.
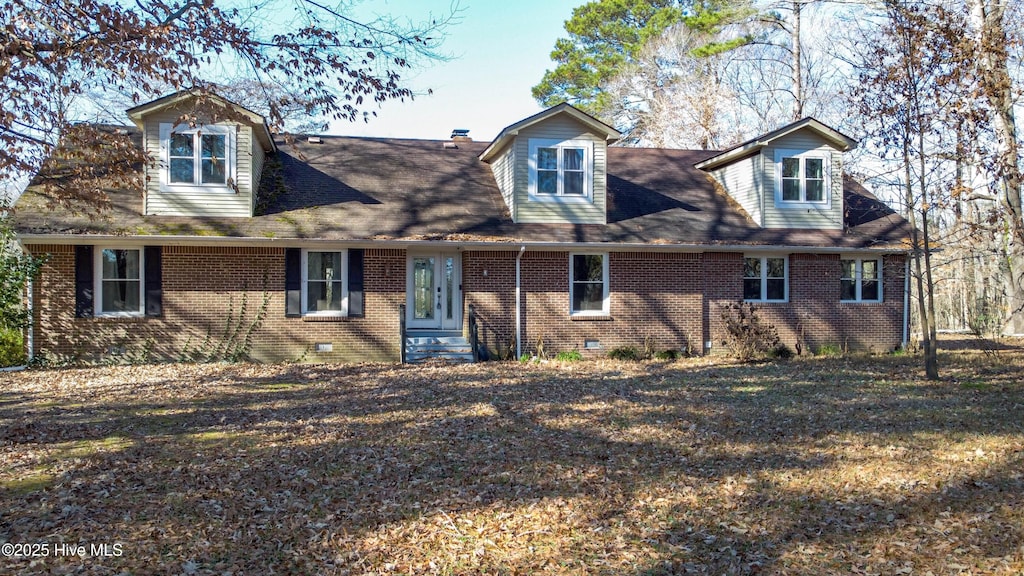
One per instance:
(789, 178)
(553, 167)
(208, 153)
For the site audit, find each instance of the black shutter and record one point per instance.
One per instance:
(355, 283)
(292, 282)
(83, 282)
(154, 281)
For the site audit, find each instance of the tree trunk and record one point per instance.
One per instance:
(798, 81)
(987, 19)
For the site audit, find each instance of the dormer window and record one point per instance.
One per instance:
(201, 158)
(561, 171)
(801, 177)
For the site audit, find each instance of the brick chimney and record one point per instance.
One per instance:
(461, 135)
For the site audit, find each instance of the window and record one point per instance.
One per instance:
(198, 157)
(861, 280)
(119, 283)
(801, 177)
(561, 170)
(324, 276)
(588, 284)
(764, 278)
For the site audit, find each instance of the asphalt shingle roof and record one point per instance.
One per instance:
(368, 188)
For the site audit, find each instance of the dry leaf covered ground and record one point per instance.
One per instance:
(813, 466)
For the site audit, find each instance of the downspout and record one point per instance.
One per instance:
(519, 304)
(906, 303)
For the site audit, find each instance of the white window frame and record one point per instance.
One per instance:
(230, 150)
(344, 284)
(803, 155)
(605, 278)
(98, 283)
(859, 279)
(560, 196)
(764, 277)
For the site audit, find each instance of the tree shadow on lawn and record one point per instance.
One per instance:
(354, 450)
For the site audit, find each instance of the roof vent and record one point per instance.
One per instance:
(315, 140)
(451, 146)
(461, 135)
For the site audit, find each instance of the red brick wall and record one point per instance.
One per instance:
(201, 286)
(493, 296)
(814, 315)
(652, 295)
(674, 300)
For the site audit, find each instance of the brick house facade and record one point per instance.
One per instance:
(680, 236)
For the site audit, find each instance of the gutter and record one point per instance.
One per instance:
(519, 303)
(78, 239)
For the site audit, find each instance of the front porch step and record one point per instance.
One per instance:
(437, 345)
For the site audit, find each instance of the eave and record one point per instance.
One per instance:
(511, 243)
(835, 138)
(509, 132)
(258, 122)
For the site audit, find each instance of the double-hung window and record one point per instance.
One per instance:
(861, 280)
(120, 282)
(764, 278)
(561, 170)
(588, 284)
(801, 177)
(324, 283)
(197, 158)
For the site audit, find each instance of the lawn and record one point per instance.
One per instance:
(812, 466)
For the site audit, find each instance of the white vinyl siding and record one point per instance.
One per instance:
(824, 215)
(560, 128)
(503, 167)
(741, 180)
(197, 202)
(258, 159)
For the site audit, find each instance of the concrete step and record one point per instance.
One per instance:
(441, 345)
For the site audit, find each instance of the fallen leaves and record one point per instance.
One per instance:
(808, 467)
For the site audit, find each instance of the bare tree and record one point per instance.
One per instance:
(53, 53)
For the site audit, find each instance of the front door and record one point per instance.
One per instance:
(434, 291)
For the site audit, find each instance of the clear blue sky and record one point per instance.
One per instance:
(499, 50)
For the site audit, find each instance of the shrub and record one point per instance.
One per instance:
(829, 350)
(668, 355)
(746, 335)
(781, 352)
(630, 353)
(569, 356)
(12, 349)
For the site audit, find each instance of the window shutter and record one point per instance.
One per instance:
(292, 282)
(84, 282)
(154, 281)
(355, 283)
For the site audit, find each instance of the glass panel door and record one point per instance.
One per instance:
(435, 291)
(423, 288)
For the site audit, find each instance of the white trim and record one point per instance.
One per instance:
(230, 151)
(304, 307)
(588, 171)
(606, 280)
(802, 155)
(764, 277)
(858, 279)
(239, 241)
(97, 281)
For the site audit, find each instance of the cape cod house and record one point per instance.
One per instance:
(550, 235)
